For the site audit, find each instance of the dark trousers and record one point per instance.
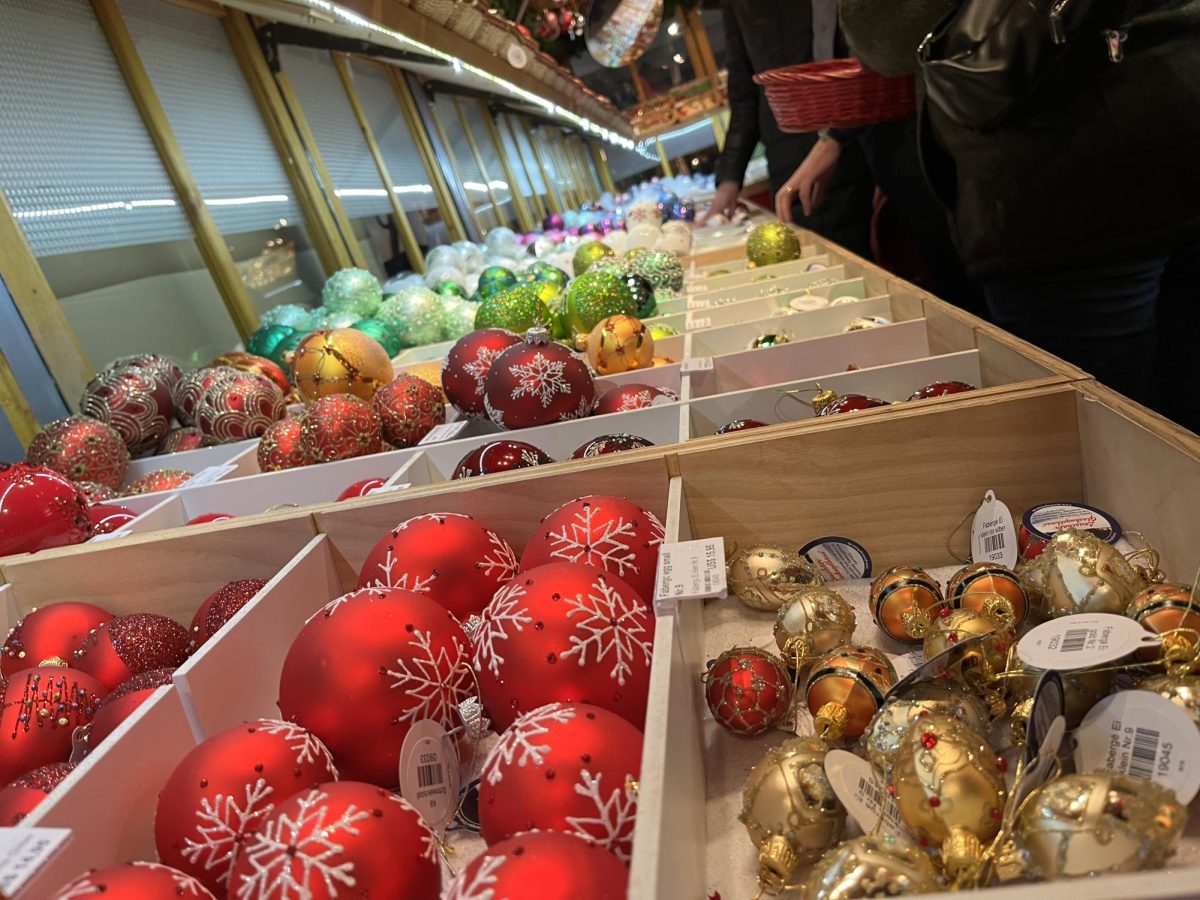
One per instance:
(1131, 324)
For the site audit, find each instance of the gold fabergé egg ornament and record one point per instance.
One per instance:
(1169, 610)
(618, 344)
(903, 601)
(1082, 689)
(341, 361)
(1078, 572)
(1097, 823)
(949, 788)
(770, 243)
(985, 659)
(765, 576)
(991, 589)
(790, 810)
(876, 865)
(885, 735)
(813, 621)
(1181, 689)
(845, 689)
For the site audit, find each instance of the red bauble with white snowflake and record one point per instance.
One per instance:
(740, 425)
(361, 488)
(135, 881)
(566, 766)
(626, 397)
(542, 865)
(341, 839)
(368, 666)
(340, 426)
(467, 365)
(409, 407)
(537, 382)
(610, 443)
(54, 630)
(127, 645)
(134, 403)
(564, 632)
(41, 709)
(500, 456)
(451, 558)
(224, 788)
(609, 532)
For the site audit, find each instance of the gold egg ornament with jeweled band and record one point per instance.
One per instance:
(790, 810)
(770, 243)
(977, 667)
(1170, 610)
(986, 587)
(1078, 572)
(619, 344)
(888, 729)
(341, 361)
(875, 865)
(903, 601)
(813, 621)
(845, 689)
(766, 576)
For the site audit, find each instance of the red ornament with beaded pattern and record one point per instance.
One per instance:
(158, 480)
(279, 448)
(134, 881)
(409, 408)
(627, 397)
(56, 630)
(851, 403)
(39, 509)
(340, 426)
(42, 708)
(238, 408)
(191, 388)
(180, 440)
(95, 493)
(123, 647)
(740, 425)
(567, 766)
(134, 403)
(500, 456)
(537, 382)
(81, 449)
(467, 365)
(542, 865)
(748, 690)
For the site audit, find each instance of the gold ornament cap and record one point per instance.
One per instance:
(777, 863)
(961, 851)
(830, 721)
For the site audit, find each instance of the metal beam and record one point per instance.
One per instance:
(524, 218)
(296, 36)
(497, 214)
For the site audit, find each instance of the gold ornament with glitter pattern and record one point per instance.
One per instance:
(770, 243)
(813, 621)
(1078, 572)
(766, 576)
(876, 865)
(341, 361)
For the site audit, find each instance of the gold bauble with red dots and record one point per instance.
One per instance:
(341, 361)
(618, 344)
(985, 659)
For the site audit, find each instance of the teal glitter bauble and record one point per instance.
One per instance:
(376, 329)
(450, 289)
(355, 291)
(264, 341)
(517, 309)
(594, 296)
(414, 316)
(287, 345)
(495, 279)
(458, 317)
(291, 314)
(661, 268)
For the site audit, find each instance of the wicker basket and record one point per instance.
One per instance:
(492, 37)
(438, 11)
(838, 93)
(466, 19)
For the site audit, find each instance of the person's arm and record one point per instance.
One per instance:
(742, 133)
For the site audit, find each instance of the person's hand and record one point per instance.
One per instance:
(809, 181)
(724, 201)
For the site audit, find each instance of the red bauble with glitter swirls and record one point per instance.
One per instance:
(740, 425)
(127, 645)
(626, 397)
(96, 493)
(81, 449)
(279, 448)
(500, 456)
(451, 558)
(56, 630)
(158, 480)
(748, 690)
(165, 371)
(408, 408)
(108, 517)
(340, 839)
(610, 533)
(221, 605)
(180, 440)
(610, 443)
(340, 426)
(467, 365)
(361, 488)
(565, 766)
(134, 881)
(564, 632)
(941, 389)
(226, 787)
(239, 408)
(134, 403)
(40, 509)
(123, 702)
(368, 666)
(257, 365)
(41, 709)
(537, 382)
(192, 387)
(543, 865)
(851, 403)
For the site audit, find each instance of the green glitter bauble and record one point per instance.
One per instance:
(376, 329)
(451, 289)
(458, 318)
(661, 268)
(517, 309)
(354, 291)
(589, 253)
(635, 252)
(643, 294)
(658, 332)
(286, 346)
(770, 243)
(264, 341)
(548, 274)
(292, 315)
(414, 316)
(614, 264)
(595, 296)
(495, 279)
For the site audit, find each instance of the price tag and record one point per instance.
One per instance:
(863, 793)
(444, 432)
(697, 303)
(1141, 735)
(25, 850)
(838, 558)
(429, 776)
(1081, 641)
(690, 570)
(208, 476)
(993, 534)
(696, 364)
(696, 324)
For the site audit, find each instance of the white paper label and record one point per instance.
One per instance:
(429, 776)
(863, 793)
(1141, 735)
(696, 324)
(1081, 641)
(25, 850)
(696, 364)
(691, 570)
(993, 534)
(444, 432)
(208, 476)
(516, 56)
(696, 303)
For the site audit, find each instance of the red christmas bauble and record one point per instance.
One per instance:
(361, 488)
(221, 606)
(740, 425)
(41, 709)
(451, 558)
(96, 493)
(367, 667)
(941, 389)
(610, 533)
(564, 632)
(81, 449)
(748, 690)
(238, 408)
(500, 456)
(542, 865)
(134, 403)
(39, 509)
(107, 518)
(626, 397)
(127, 645)
(257, 365)
(23, 795)
(340, 839)
(226, 787)
(180, 440)
(408, 407)
(851, 403)
(209, 518)
(610, 443)
(135, 881)
(340, 426)
(536, 383)
(164, 370)
(467, 365)
(56, 630)
(192, 386)
(158, 480)
(565, 766)
(123, 701)
(279, 448)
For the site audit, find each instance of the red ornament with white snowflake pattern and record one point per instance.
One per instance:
(537, 382)
(610, 443)
(361, 488)
(369, 665)
(127, 645)
(500, 456)
(567, 766)
(42, 708)
(564, 632)
(340, 426)
(609, 532)
(54, 630)
(451, 558)
(626, 397)
(134, 881)
(341, 839)
(542, 865)
(467, 365)
(225, 787)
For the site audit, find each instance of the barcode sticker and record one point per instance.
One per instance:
(696, 364)
(993, 534)
(690, 570)
(1080, 641)
(1074, 640)
(863, 793)
(444, 432)
(25, 850)
(210, 475)
(1143, 754)
(695, 324)
(429, 773)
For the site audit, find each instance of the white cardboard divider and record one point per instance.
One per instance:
(244, 461)
(658, 376)
(768, 307)
(746, 276)
(765, 283)
(427, 353)
(189, 460)
(718, 341)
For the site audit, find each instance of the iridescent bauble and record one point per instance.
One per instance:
(447, 289)
(765, 576)
(500, 456)
(134, 403)
(40, 509)
(340, 427)
(770, 243)
(408, 408)
(238, 408)
(903, 601)
(256, 365)
(342, 361)
(630, 395)
(1078, 572)
(812, 621)
(537, 382)
(610, 443)
(661, 268)
(877, 865)
(1168, 608)
(618, 344)
(354, 291)
(292, 315)
(120, 648)
(279, 447)
(494, 280)
(516, 309)
(81, 449)
(181, 440)
(467, 365)
(192, 387)
(414, 317)
(376, 329)
(588, 253)
(265, 341)
(748, 690)
(56, 630)
(886, 733)
(593, 297)
(542, 865)
(845, 689)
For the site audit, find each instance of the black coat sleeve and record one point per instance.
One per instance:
(744, 98)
